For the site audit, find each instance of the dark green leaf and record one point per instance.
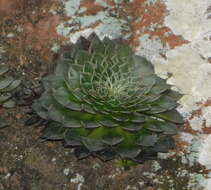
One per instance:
(173, 116)
(9, 104)
(71, 139)
(144, 67)
(81, 152)
(12, 86)
(132, 126)
(168, 128)
(109, 123)
(91, 124)
(93, 145)
(138, 118)
(153, 125)
(147, 140)
(129, 152)
(6, 82)
(3, 70)
(164, 144)
(160, 86)
(174, 95)
(106, 155)
(112, 140)
(3, 97)
(53, 132)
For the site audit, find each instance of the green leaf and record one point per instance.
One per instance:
(168, 128)
(3, 70)
(108, 123)
(12, 86)
(9, 104)
(43, 113)
(148, 80)
(56, 115)
(174, 95)
(62, 96)
(88, 109)
(172, 115)
(138, 118)
(160, 86)
(4, 97)
(132, 126)
(53, 132)
(129, 152)
(112, 140)
(164, 144)
(96, 45)
(147, 140)
(71, 139)
(106, 154)
(91, 124)
(6, 82)
(143, 66)
(123, 50)
(93, 145)
(153, 125)
(82, 152)
(62, 66)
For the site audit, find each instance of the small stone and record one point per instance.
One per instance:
(7, 176)
(78, 179)
(66, 171)
(10, 35)
(53, 159)
(96, 166)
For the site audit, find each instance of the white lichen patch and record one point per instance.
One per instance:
(190, 74)
(187, 17)
(191, 156)
(107, 22)
(151, 48)
(196, 123)
(205, 153)
(79, 180)
(206, 113)
(71, 7)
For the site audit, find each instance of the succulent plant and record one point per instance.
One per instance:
(106, 101)
(7, 86)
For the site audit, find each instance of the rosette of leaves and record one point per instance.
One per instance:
(7, 86)
(106, 101)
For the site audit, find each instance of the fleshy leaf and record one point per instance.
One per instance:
(172, 116)
(5, 82)
(3, 70)
(53, 132)
(93, 145)
(9, 104)
(12, 86)
(147, 140)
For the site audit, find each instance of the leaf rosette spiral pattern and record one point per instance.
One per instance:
(106, 101)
